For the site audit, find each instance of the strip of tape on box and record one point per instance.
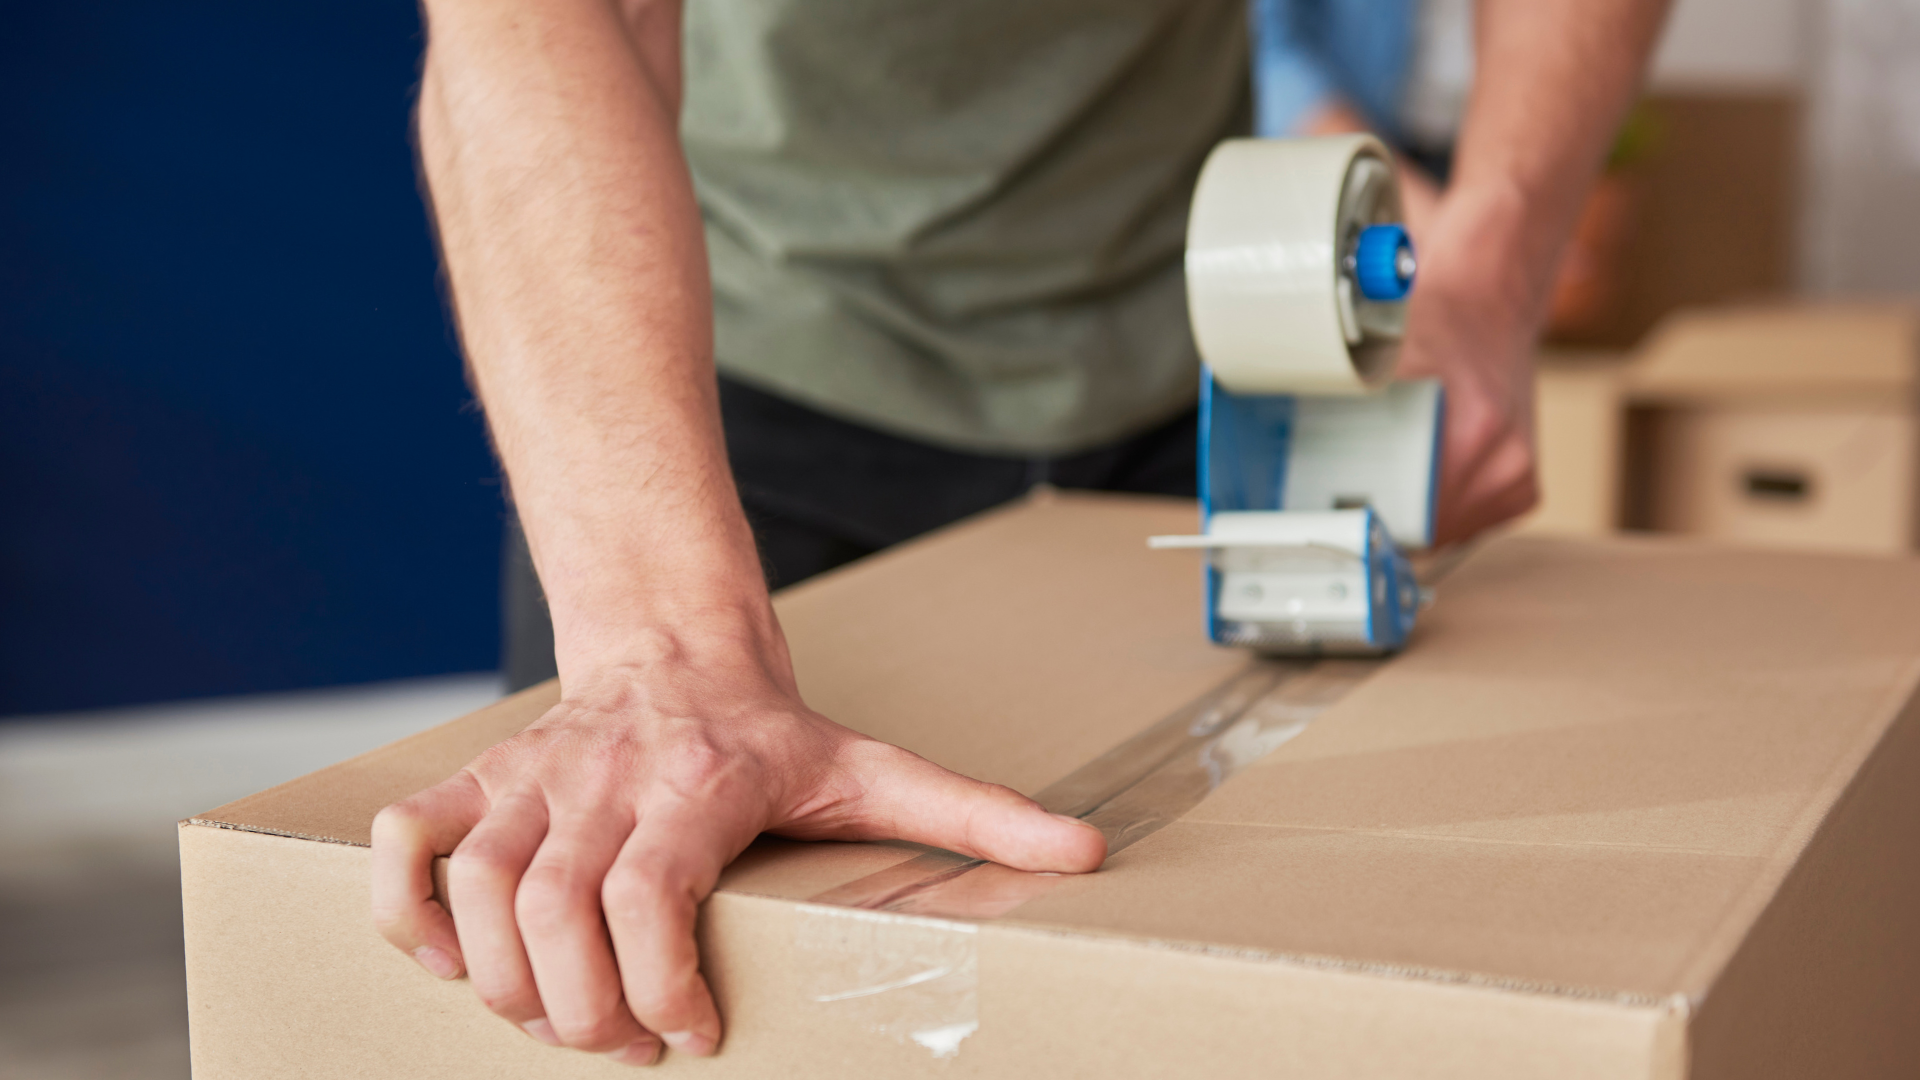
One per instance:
(908, 978)
(896, 952)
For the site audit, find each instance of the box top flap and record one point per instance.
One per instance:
(1587, 775)
(1590, 771)
(1781, 352)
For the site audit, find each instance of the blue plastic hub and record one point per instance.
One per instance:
(1383, 262)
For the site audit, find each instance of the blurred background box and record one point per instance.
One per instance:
(1785, 425)
(1698, 204)
(1579, 431)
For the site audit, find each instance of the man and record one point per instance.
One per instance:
(940, 234)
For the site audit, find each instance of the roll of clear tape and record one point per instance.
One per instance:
(1270, 286)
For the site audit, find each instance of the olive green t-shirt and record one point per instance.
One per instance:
(960, 220)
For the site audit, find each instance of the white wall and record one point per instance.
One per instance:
(1861, 219)
(113, 782)
(1858, 64)
(1734, 45)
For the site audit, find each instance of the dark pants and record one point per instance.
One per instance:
(822, 492)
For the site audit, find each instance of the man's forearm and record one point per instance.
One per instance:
(1554, 78)
(1553, 81)
(548, 133)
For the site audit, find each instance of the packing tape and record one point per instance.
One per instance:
(895, 951)
(912, 979)
(1273, 309)
(1129, 792)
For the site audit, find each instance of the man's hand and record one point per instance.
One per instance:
(581, 847)
(1554, 78)
(1470, 325)
(1471, 322)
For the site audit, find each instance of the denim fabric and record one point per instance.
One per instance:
(1308, 51)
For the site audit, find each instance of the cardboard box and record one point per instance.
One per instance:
(1625, 809)
(1784, 426)
(1579, 427)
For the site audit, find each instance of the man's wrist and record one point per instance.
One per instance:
(1493, 248)
(647, 631)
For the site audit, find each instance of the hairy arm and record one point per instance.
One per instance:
(1554, 79)
(548, 133)
(581, 847)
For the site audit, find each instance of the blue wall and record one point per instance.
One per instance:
(236, 451)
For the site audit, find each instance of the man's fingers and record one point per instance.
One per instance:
(651, 897)
(482, 877)
(1501, 487)
(407, 837)
(557, 908)
(910, 798)
(1496, 503)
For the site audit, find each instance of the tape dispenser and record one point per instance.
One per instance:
(1317, 468)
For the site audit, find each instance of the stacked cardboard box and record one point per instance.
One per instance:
(1789, 426)
(1579, 432)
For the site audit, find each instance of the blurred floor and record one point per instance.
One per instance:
(92, 985)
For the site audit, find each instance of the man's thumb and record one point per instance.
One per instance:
(910, 798)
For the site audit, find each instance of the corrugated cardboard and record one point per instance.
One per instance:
(1579, 428)
(1785, 426)
(1824, 477)
(1625, 809)
(1781, 353)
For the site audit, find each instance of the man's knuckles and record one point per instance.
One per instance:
(552, 897)
(403, 821)
(605, 1027)
(647, 889)
(513, 999)
(482, 862)
(694, 767)
(397, 922)
(669, 1001)
(876, 763)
